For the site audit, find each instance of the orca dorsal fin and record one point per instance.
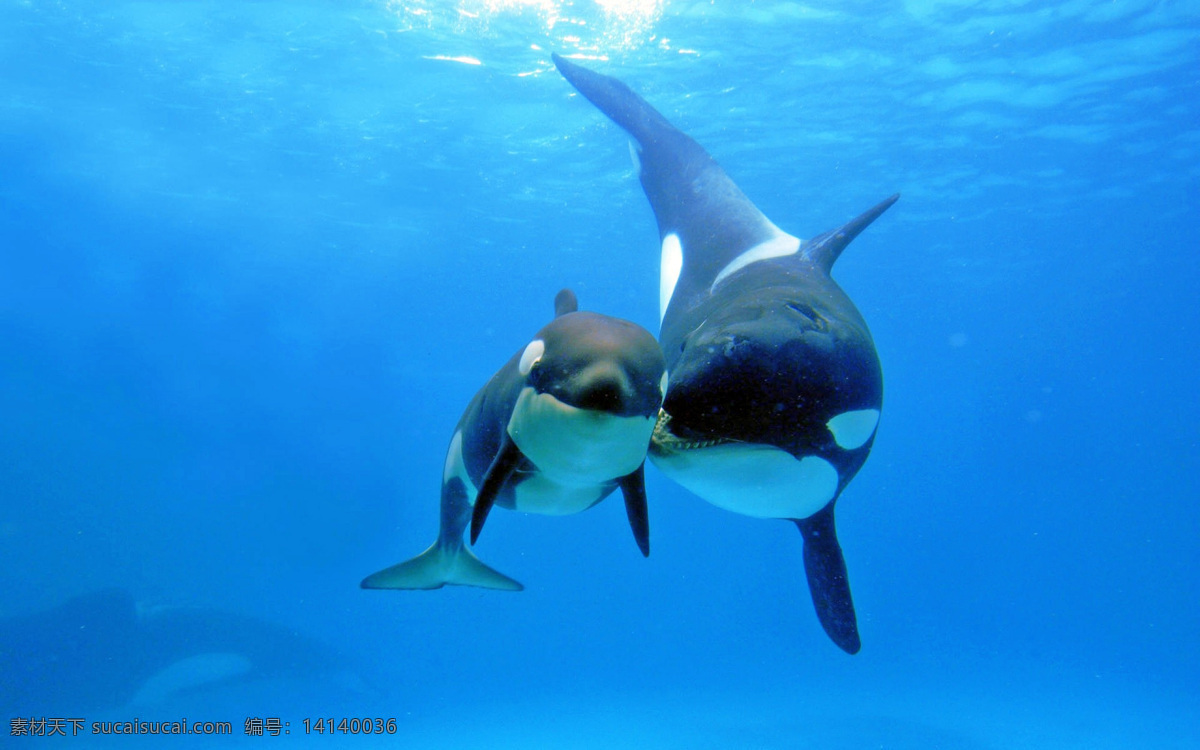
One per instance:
(565, 302)
(824, 249)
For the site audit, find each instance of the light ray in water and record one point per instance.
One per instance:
(589, 26)
(459, 59)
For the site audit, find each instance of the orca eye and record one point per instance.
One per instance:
(810, 315)
(805, 310)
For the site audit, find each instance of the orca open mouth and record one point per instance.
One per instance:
(664, 441)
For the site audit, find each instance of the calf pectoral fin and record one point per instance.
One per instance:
(633, 487)
(507, 459)
(827, 580)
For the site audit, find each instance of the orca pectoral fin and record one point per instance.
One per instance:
(827, 580)
(503, 465)
(633, 487)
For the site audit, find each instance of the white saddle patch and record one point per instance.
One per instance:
(668, 275)
(755, 480)
(854, 428)
(783, 244)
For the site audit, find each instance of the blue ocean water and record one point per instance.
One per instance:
(256, 257)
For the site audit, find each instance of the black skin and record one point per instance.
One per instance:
(765, 355)
(773, 370)
(573, 341)
(776, 354)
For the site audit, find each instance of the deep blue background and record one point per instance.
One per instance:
(255, 258)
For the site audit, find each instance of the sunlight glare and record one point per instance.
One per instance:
(595, 27)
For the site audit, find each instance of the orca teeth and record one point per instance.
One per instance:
(664, 442)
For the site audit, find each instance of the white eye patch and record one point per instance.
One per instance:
(531, 355)
(853, 429)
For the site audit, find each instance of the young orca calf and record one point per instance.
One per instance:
(565, 422)
(774, 385)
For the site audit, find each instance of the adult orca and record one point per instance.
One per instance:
(561, 425)
(774, 388)
(103, 650)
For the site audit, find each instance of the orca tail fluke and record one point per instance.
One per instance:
(827, 579)
(441, 566)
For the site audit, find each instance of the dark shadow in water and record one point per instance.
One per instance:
(103, 651)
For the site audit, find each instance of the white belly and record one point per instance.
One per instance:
(754, 480)
(539, 494)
